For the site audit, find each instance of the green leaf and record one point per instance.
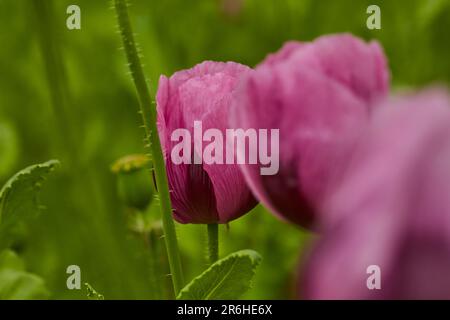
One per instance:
(226, 279)
(16, 283)
(9, 260)
(19, 196)
(92, 294)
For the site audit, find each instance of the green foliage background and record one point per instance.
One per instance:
(84, 222)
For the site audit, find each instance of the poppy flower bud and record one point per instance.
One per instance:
(201, 191)
(387, 219)
(135, 184)
(318, 95)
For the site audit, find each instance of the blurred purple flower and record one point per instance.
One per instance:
(202, 193)
(318, 95)
(232, 8)
(390, 208)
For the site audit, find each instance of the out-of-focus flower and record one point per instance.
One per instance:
(390, 209)
(232, 8)
(202, 193)
(318, 95)
(135, 184)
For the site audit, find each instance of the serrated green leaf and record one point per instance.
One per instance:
(226, 279)
(92, 294)
(16, 283)
(19, 196)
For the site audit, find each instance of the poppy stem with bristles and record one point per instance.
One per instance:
(148, 112)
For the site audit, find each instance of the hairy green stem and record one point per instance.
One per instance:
(213, 242)
(149, 118)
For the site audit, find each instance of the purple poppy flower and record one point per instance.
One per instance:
(206, 192)
(319, 95)
(389, 214)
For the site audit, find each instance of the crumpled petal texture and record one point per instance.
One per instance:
(202, 193)
(319, 95)
(391, 208)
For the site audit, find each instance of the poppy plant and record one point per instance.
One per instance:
(319, 95)
(390, 210)
(201, 192)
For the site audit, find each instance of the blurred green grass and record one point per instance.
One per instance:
(84, 222)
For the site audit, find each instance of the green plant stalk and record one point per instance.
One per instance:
(148, 113)
(67, 134)
(56, 79)
(213, 242)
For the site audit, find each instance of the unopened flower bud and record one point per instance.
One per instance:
(135, 182)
